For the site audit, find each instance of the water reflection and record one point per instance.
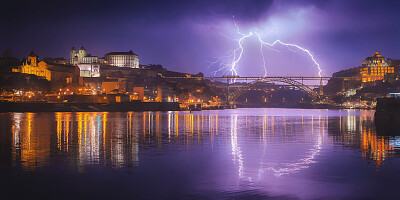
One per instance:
(360, 132)
(260, 145)
(275, 152)
(28, 147)
(83, 138)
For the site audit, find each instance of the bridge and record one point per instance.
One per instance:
(244, 78)
(300, 82)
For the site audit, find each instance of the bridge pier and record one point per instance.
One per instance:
(227, 95)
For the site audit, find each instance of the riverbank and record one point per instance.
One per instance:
(87, 107)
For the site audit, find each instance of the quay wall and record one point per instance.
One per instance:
(387, 116)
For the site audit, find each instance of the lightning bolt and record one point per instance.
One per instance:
(236, 54)
(236, 58)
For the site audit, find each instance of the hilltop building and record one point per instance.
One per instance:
(122, 59)
(375, 68)
(32, 66)
(59, 75)
(89, 65)
(80, 56)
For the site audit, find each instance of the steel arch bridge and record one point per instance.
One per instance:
(314, 95)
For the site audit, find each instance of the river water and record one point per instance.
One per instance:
(241, 154)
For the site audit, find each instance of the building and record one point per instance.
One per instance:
(375, 68)
(122, 59)
(32, 66)
(78, 57)
(79, 54)
(153, 92)
(110, 86)
(90, 59)
(89, 69)
(165, 93)
(88, 64)
(59, 75)
(138, 93)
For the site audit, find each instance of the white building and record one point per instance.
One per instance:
(90, 59)
(122, 59)
(89, 65)
(89, 69)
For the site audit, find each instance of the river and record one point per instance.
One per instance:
(241, 153)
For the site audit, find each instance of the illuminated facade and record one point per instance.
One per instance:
(32, 66)
(59, 75)
(375, 68)
(122, 59)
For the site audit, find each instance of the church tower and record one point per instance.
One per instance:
(81, 54)
(32, 59)
(72, 54)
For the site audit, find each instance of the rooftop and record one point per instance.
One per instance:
(121, 53)
(376, 55)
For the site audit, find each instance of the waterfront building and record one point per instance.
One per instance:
(375, 68)
(165, 93)
(122, 59)
(110, 86)
(138, 93)
(154, 92)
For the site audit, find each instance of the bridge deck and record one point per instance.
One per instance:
(268, 77)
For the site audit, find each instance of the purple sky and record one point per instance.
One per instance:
(188, 35)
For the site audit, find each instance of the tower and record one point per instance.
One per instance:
(32, 59)
(72, 54)
(81, 54)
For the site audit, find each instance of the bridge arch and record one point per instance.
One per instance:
(314, 95)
